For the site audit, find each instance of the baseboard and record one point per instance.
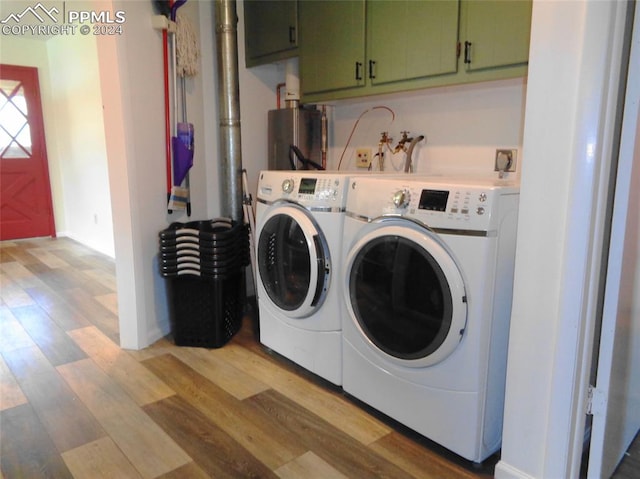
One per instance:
(96, 247)
(157, 333)
(506, 471)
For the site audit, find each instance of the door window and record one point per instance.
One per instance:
(284, 261)
(400, 297)
(15, 134)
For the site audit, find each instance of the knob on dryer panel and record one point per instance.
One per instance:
(401, 198)
(288, 185)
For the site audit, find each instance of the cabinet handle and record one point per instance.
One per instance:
(292, 34)
(358, 71)
(467, 52)
(372, 73)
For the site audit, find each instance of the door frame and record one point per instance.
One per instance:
(613, 424)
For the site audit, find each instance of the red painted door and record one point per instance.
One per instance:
(25, 193)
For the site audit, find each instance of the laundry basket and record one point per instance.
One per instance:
(204, 264)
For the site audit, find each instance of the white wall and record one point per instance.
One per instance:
(208, 136)
(80, 152)
(463, 126)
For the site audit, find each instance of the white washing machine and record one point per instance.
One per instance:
(427, 285)
(299, 227)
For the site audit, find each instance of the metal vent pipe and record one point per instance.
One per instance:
(229, 108)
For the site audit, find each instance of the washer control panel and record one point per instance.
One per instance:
(309, 188)
(313, 188)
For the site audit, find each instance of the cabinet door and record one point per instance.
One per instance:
(496, 33)
(271, 30)
(410, 39)
(332, 45)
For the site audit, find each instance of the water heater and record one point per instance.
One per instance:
(298, 126)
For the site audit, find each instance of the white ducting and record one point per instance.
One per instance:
(292, 83)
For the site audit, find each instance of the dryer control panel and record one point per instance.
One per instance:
(438, 203)
(455, 201)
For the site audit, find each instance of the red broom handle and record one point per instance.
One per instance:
(167, 111)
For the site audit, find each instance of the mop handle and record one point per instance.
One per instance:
(167, 114)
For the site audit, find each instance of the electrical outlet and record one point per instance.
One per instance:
(505, 160)
(363, 157)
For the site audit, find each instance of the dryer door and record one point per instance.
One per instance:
(293, 260)
(406, 293)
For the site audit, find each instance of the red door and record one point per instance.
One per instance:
(25, 194)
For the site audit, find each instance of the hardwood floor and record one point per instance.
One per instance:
(73, 404)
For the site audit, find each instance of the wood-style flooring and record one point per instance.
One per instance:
(73, 404)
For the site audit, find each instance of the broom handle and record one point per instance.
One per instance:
(184, 98)
(175, 82)
(167, 115)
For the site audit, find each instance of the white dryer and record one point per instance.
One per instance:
(299, 227)
(427, 285)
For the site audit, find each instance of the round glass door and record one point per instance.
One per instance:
(293, 261)
(406, 294)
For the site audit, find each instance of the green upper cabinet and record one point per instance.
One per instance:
(410, 39)
(495, 33)
(271, 31)
(352, 48)
(332, 45)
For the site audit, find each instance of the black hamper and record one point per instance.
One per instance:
(204, 264)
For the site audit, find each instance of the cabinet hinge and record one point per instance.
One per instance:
(596, 401)
(458, 49)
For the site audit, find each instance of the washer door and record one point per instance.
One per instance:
(406, 293)
(293, 261)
